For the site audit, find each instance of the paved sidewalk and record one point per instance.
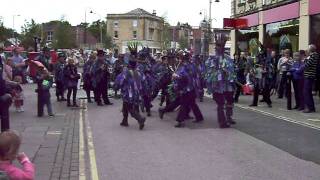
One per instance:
(279, 110)
(52, 143)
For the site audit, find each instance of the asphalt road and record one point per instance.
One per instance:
(258, 147)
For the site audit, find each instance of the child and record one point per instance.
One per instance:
(9, 147)
(18, 96)
(44, 81)
(7, 70)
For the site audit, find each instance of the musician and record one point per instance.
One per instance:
(59, 77)
(100, 73)
(221, 79)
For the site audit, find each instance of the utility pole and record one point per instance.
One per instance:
(13, 35)
(85, 27)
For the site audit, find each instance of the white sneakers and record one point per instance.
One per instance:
(19, 109)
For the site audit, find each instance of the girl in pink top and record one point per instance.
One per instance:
(9, 147)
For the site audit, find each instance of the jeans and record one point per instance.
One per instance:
(44, 100)
(59, 89)
(282, 85)
(298, 93)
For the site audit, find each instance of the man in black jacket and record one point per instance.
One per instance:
(5, 101)
(310, 71)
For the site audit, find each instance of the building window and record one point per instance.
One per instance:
(116, 34)
(49, 36)
(151, 32)
(116, 24)
(134, 34)
(134, 23)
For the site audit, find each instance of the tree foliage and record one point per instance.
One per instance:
(30, 30)
(63, 38)
(183, 43)
(95, 29)
(166, 36)
(5, 33)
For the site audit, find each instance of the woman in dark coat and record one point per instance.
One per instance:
(71, 77)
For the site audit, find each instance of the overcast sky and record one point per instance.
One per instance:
(74, 10)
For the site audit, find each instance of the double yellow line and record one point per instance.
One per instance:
(85, 128)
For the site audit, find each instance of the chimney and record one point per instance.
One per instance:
(154, 13)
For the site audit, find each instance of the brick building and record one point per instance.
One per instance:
(78, 34)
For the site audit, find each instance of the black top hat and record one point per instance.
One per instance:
(100, 52)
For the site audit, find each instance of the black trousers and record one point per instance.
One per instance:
(164, 94)
(72, 90)
(265, 93)
(171, 106)
(238, 91)
(133, 110)
(298, 93)
(60, 89)
(187, 103)
(224, 103)
(101, 91)
(147, 103)
(5, 102)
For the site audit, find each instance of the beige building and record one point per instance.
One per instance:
(136, 25)
(278, 24)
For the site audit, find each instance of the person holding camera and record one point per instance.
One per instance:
(71, 78)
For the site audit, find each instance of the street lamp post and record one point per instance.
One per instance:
(13, 35)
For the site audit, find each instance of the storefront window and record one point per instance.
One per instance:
(282, 35)
(315, 31)
(247, 40)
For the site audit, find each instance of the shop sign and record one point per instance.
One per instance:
(314, 7)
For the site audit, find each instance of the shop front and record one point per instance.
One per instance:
(247, 34)
(281, 28)
(282, 35)
(247, 40)
(314, 12)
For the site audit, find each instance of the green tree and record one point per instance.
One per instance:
(5, 34)
(166, 34)
(95, 29)
(183, 43)
(63, 38)
(30, 30)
